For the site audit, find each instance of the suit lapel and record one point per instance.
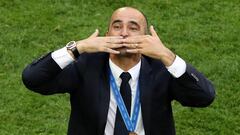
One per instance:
(104, 94)
(145, 80)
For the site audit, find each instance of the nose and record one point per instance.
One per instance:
(124, 33)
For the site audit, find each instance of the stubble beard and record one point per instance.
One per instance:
(124, 53)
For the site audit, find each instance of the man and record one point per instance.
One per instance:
(120, 84)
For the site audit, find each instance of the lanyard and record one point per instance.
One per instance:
(130, 123)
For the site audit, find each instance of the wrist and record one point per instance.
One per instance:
(80, 46)
(167, 57)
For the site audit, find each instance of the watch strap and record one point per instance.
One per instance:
(72, 46)
(75, 52)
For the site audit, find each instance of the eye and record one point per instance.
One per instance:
(133, 28)
(116, 27)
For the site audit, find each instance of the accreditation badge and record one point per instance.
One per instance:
(130, 123)
(132, 133)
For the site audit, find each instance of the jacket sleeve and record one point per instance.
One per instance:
(192, 89)
(44, 76)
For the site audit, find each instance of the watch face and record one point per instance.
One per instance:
(71, 45)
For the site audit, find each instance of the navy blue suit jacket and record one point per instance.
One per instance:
(87, 82)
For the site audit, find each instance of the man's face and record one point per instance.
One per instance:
(127, 22)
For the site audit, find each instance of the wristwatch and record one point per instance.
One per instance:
(72, 46)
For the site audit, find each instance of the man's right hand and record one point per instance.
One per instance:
(99, 44)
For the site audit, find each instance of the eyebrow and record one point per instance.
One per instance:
(116, 21)
(135, 23)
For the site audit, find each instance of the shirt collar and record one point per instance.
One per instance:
(117, 71)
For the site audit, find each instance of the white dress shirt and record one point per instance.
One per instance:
(63, 58)
(134, 72)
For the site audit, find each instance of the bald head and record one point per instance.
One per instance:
(131, 12)
(129, 21)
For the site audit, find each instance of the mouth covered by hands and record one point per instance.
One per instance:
(149, 45)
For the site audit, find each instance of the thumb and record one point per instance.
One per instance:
(153, 32)
(95, 34)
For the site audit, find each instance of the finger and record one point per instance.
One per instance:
(134, 40)
(133, 50)
(153, 32)
(95, 34)
(113, 45)
(109, 50)
(132, 46)
(114, 40)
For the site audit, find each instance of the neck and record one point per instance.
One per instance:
(125, 62)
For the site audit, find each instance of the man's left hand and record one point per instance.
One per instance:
(150, 45)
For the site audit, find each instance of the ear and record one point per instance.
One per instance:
(107, 34)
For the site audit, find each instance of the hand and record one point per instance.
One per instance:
(99, 44)
(150, 45)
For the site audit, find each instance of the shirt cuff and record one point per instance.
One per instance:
(62, 57)
(178, 67)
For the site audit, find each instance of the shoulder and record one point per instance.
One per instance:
(153, 63)
(93, 61)
(92, 58)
